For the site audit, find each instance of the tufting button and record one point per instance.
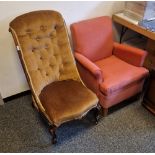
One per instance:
(55, 54)
(33, 49)
(61, 71)
(66, 63)
(38, 38)
(51, 36)
(55, 27)
(51, 65)
(59, 27)
(46, 46)
(28, 30)
(43, 28)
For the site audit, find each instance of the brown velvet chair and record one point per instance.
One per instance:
(44, 50)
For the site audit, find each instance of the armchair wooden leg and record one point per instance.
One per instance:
(145, 87)
(105, 112)
(53, 133)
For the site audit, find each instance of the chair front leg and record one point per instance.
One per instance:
(53, 133)
(105, 112)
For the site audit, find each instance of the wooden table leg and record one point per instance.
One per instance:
(150, 47)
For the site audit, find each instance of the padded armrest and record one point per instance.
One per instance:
(130, 54)
(95, 70)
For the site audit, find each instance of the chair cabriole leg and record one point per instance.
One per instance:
(53, 133)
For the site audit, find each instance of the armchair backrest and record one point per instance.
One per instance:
(93, 38)
(44, 48)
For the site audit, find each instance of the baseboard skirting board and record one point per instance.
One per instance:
(27, 92)
(1, 100)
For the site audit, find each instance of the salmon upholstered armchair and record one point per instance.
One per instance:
(112, 70)
(44, 50)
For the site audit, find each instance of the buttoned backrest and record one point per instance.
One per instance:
(93, 38)
(44, 48)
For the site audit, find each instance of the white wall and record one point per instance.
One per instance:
(12, 78)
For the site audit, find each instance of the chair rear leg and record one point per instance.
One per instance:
(32, 104)
(53, 133)
(105, 112)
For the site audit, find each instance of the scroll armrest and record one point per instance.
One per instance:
(95, 70)
(132, 55)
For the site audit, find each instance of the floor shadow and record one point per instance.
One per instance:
(71, 129)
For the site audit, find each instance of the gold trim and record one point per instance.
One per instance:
(72, 53)
(36, 97)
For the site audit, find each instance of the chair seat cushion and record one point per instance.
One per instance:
(118, 74)
(67, 100)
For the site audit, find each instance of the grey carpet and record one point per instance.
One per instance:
(129, 129)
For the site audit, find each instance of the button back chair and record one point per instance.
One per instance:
(44, 50)
(112, 70)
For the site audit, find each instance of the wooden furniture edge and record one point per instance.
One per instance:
(133, 27)
(148, 105)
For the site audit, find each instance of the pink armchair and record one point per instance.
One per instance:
(113, 71)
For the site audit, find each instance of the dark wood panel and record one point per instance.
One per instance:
(149, 98)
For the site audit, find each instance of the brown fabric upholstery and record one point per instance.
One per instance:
(46, 56)
(64, 100)
(45, 47)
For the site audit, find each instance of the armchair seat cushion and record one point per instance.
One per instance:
(118, 74)
(67, 100)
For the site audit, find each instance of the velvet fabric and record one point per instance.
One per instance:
(112, 70)
(45, 53)
(66, 100)
(45, 47)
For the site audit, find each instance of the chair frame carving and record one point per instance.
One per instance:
(52, 127)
